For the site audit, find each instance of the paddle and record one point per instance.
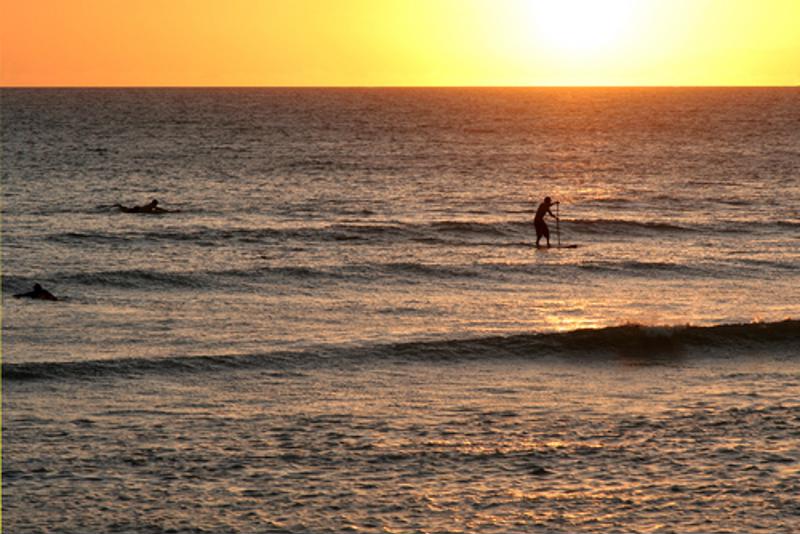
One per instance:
(558, 225)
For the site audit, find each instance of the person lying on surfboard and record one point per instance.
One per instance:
(38, 293)
(151, 207)
(538, 221)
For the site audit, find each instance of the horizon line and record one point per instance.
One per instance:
(543, 86)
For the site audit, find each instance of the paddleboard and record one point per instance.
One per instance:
(554, 247)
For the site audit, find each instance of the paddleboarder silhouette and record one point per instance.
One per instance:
(538, 221)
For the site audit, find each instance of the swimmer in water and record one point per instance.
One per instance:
(38, 293)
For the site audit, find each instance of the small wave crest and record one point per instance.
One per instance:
(620, 226)
(138, 279)
(133, 367)
(446, 232)
(651, 268)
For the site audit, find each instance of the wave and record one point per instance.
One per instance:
(633, 342)
(133, 367)
(391, 230)
(199, 235)
(651, 268)
(137, 279)
(621, 226)
(389, 272)
(449, 232)
(630, 344)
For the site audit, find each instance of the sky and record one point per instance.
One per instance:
(399, 42)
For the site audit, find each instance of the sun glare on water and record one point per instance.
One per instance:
(582, 27)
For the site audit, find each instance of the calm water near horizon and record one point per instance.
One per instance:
(344, 324)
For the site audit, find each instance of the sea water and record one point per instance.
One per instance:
(344, 324)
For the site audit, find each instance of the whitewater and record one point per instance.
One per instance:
(343, 322)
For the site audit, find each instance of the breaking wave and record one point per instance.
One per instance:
(627, 344)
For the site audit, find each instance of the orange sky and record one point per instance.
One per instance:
(399, 42)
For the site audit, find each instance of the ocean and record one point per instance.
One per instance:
(343, 324)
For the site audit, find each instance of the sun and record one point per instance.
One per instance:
(582, 27)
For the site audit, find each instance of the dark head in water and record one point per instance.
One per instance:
(38, 292)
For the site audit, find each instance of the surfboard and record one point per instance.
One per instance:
(555, 247)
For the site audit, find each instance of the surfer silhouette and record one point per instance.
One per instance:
(38, 293)
(538, 221)
(151, 207)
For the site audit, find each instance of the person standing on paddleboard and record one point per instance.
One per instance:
(538, 221)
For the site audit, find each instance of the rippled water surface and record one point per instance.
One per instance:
(343, 324)
(704, 445)
(357, 216)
